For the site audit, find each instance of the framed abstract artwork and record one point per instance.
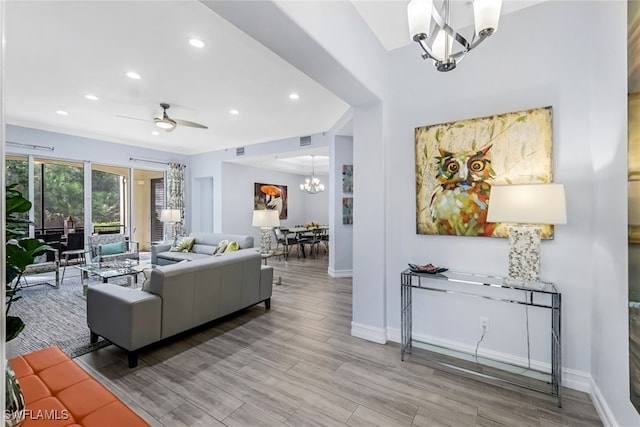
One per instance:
(270, 196)
(347, 210)
(347, 178)
(457, 163)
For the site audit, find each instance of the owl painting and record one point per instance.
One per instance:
(460, 202)
(456, 163)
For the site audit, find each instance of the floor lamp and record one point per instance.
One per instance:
(266, 219)
(525, 207)
(171, 216)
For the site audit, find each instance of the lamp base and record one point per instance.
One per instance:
(265, 241)
(524, 255)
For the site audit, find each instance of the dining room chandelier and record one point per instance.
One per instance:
(430, 27)
(312, 184)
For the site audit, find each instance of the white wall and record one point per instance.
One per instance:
(82, 149)
(341, 243)
(609, 266)
(514, 71)
(237, 199)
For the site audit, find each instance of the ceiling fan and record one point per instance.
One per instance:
(167, 123)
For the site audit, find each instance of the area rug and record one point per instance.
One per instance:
(55, 317)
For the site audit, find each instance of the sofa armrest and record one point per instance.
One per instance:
(266, 282)
(129, 318)
(156, 249)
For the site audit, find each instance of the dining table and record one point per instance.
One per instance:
(303, 235)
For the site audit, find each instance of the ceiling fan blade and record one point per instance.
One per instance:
(133, 118)
(190, 124)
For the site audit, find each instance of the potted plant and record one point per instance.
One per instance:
(20, 252)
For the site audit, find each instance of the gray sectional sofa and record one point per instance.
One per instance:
(203, 248)
(179, 297)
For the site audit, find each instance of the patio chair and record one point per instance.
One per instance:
(112, 247)
(43, 266)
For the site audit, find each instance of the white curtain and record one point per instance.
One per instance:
(175, 193)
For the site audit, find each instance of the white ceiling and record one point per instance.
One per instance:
(59, 51)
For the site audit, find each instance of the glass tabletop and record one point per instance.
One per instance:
(486, 280)
(115, 269)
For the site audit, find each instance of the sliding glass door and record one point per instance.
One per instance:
(122, 200)
(109, 199)
(58, 195)
(148, 199)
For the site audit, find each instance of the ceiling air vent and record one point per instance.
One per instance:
(305, 141)
(240, 151)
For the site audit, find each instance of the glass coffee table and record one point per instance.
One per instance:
(107, 271)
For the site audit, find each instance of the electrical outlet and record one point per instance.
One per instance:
(484, 324)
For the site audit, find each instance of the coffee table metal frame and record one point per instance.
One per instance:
(108, 271)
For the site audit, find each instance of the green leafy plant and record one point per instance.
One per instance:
(20, 252)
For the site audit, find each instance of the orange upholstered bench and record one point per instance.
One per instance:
(58, 392)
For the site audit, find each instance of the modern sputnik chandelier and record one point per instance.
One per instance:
(430, 27)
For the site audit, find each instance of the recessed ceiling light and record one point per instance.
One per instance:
(234, 112)
(133, 75)
(294, 96)
(62, 113)
(155, 133)
(91, 97)
(196, 43)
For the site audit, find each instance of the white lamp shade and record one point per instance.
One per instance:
(486, 14)
(170, 215)
(419, 14)
(439, 44)
(528, 204)
(266, 218)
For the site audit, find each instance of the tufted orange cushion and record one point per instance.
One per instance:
(58, 393)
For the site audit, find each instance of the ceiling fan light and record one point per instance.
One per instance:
(486, 14)
(165, 124)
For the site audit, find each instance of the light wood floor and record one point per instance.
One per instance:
(297, 365)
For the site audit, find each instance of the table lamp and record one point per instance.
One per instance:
(171, 216)
(526, 207)
(266, 219)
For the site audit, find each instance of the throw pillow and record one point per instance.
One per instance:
(184, 244)
(232, 246)
(147, 279)
(221, 247)
(112, 248)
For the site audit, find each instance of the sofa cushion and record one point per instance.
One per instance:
(203, 249)
(180, 256)
(212, 239)
(232, 247)
(221, 247)
(184, 244)
(112, 248)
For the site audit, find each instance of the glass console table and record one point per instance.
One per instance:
(543, 295)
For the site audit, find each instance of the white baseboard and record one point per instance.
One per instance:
(339, 273)
(603, 410)
(576, 380)
(369, 333)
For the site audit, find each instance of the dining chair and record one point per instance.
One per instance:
(281, 239)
